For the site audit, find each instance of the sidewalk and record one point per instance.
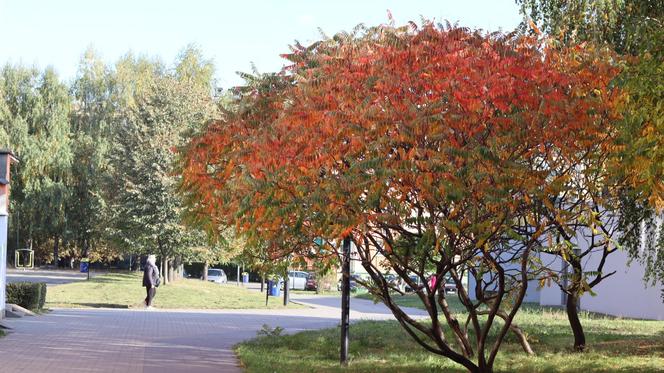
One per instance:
(159, 341)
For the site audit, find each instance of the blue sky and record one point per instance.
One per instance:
(231, 33)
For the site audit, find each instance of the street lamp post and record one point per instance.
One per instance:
(6, 159)
(345, 300)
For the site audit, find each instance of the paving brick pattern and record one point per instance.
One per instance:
(138, 341)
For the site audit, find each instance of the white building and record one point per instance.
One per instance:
(623, 294)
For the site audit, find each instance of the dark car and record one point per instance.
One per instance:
(450, 285)
(415, 279)
(311, 283)
(392, 280)
(353, 283)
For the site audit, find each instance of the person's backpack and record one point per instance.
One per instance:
(157, 281)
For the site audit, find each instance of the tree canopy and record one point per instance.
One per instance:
(432, 147)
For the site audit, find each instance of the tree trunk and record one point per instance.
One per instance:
(85, 248)
(262, 282)
(575, 323)
(56, 251)
(171, 270)
(206, 265)
(180, 268)
(164, 270)
(523, 340)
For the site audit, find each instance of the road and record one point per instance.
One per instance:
(160, 341)
(50, 277)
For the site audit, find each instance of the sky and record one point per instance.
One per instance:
(233, 34)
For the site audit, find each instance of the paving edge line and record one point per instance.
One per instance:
(266, 311)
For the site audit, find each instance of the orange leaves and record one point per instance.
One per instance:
(374, 126)
(534, 27)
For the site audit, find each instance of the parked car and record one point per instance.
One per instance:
(297, 280)
(217, 275)
(416, 280)
(353, 283)
(450, 285)
(393, 280)
(311, 284)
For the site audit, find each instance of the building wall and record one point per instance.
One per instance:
(550, 294)
(3, 263)
(624, 294)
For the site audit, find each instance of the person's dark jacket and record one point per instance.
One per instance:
(150, 275)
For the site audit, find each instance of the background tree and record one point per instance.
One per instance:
(633, 28)
(157, 119)
(92, 122)
(35, 124)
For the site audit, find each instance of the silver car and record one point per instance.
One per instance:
(217, 276)
(297, 280)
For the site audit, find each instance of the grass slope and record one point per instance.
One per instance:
(615, 345)
(124, 290)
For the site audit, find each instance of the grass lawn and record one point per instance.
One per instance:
(615, 345)
(321, 292)
(412, 300)
(124, 290)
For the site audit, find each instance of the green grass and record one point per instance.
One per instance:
(412, 300)
(614, 345)
(124, 290)
(321, 292)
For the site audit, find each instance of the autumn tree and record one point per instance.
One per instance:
(433, 149)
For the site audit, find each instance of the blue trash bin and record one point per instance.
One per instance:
(245, 278)
(274, 289)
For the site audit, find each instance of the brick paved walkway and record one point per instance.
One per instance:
(137, 341)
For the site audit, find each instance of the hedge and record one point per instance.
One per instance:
(30, 295)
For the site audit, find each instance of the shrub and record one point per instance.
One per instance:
(30, 295)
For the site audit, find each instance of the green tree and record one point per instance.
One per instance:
(634, 28)
(35, 122)
(91, 121)
(160, 112)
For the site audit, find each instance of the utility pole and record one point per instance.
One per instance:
(6, 159)
(345, 300)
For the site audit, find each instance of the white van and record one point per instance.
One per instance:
(297, 280)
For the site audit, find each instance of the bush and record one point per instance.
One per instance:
(30, 295)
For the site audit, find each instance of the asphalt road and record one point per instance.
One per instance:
(51, 277)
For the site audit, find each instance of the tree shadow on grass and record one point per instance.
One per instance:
(100, 305)
(115, 279)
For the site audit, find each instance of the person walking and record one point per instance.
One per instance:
(150, 280)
